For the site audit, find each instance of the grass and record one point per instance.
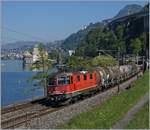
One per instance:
(141, 119)
(112, 110)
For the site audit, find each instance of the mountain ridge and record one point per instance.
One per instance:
(74, 39)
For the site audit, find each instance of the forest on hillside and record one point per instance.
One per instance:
(131, 40)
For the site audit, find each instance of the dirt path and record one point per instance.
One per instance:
(129, 116)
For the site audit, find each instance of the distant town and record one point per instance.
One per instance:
(14, 51)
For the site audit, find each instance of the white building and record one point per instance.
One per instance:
(27, 58)
(84, 27)
(36, 53)
(71, 52)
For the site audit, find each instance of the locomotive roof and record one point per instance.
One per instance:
(71, 73)
(68, 73)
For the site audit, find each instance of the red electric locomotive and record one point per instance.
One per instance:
(63, 86)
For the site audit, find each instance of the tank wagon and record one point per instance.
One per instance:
(68, 85)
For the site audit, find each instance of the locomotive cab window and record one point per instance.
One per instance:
(85, 77)
(78, 78)
(91, 76)
(52, 81)
(63, 80)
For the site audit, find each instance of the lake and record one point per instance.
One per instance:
(15, 86)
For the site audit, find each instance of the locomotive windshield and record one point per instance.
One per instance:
(62, 80)
(52, 81)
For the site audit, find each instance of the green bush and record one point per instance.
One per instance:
(103, 61)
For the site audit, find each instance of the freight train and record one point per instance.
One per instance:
(66, 86)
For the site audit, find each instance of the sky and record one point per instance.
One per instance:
(49, 21)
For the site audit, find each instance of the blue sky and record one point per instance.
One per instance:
(49, 21)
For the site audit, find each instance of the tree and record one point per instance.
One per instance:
(136, 46)
(75, 62)
(72, 62)
(96, 39)
(103, 61)
(53, 54)
(42, 64)
(146, 8)
(143, 39)
(121, 46)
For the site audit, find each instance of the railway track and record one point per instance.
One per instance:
(26, 117)
(21, 106)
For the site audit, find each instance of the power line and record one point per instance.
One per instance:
(24, 34)
(10, 38)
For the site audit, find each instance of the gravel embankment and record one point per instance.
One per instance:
(52, 120)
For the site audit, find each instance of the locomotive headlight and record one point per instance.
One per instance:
(64, 91)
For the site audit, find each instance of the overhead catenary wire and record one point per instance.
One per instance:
(3, 37)
(24, 34)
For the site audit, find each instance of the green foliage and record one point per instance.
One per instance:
(103, 61)
(72, 41)
(77, 62)
(96, 39)
(53, 54)
(136, 45)
(88, 46)
(72, 62)
(143, 39)
(120, 39)
(117, 39)
(43, 64)
(105, 115)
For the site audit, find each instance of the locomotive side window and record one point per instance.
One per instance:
(85, 77)
(71, 80)
(91, 76)
(78, 78)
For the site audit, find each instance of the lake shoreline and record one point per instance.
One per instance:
(14, 81)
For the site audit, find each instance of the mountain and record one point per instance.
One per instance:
(74, 39)
(18, 44)
(128, 10)
(53, 45)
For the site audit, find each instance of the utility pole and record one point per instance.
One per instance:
(118, 57)
(104, 51)
(59, 57)
(119, 69)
